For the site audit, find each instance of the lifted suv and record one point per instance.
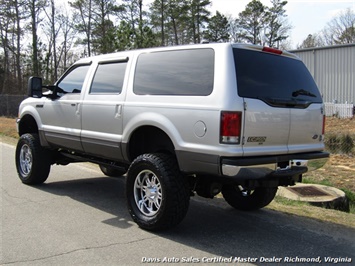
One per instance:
(205, 119)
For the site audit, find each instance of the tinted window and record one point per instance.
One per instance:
(182, 72)
(268, 77)
(109, 78)
(74, 80)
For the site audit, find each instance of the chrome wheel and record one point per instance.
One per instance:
(33, 162)
(157, 193)
(25, 160)
(245, 192)
(147, 193)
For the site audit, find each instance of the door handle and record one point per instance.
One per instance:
(118, 111)
(77, 108)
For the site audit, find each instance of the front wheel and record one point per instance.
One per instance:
(248, 199)
(157, 193)
(32, 160)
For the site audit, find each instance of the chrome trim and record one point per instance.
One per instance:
(316, 164)
(259, 170)
(233, 170)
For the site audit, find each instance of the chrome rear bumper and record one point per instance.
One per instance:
(283, 165)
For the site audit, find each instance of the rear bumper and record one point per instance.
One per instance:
(279, 166)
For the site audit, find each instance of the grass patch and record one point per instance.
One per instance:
(8, 127)
(325, 181)
(289, 202)
(351, 197)
(317, 213)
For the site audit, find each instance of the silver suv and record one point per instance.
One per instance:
(236, 119)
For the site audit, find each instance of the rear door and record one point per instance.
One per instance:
(282, 102)
(102, 109)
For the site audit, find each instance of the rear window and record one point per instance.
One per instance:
(179, 72)
(272, 77)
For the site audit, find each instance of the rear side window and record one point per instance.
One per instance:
(272, 77)
(109, 78)
(180, 72)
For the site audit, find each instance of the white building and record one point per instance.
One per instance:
(333, 68)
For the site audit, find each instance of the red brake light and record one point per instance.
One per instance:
(272, 50)
(230, 127)
(323, 127)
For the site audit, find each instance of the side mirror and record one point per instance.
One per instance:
(34, 87)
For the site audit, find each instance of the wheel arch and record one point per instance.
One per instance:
(27, 124)
(148, 133)
(149, 139)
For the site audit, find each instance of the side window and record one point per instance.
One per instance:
(178, 72)
(109, 78)
(73, 80)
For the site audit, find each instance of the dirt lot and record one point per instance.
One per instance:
(336, 125)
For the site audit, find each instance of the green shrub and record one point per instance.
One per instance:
(332, 143)
(339, 143)
(347, 144)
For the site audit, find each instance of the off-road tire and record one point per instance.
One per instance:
(33, 162)
(157, 193)
(111, 171)
(248, 200)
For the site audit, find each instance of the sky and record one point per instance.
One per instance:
(305, 16)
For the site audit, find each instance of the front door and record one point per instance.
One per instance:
(61, 117)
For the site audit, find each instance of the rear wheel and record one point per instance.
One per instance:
(246, 199)
(157, 193)
(32, 160)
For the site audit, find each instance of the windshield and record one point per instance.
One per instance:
(272, 77)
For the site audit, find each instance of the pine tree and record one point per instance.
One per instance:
(217, 29)
(199, 16)
(277, 26)
(251, 22)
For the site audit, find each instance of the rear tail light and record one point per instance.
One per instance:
(230, 131)
(272, 50)
(323, 127)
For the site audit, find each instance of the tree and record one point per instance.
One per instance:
(277, 26)
(103, 29)
(4, 41)
(158, 15)
(124, 37)
(199, 16)
(217, 29)
(52, 29)
(234, 30)
(136, 26)
(82, 18)
(178, 20)
(313, 40)
(341, 29)
(68, 38)
(171, 20)
(251, 22)
(12, 16)
(35, 7)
